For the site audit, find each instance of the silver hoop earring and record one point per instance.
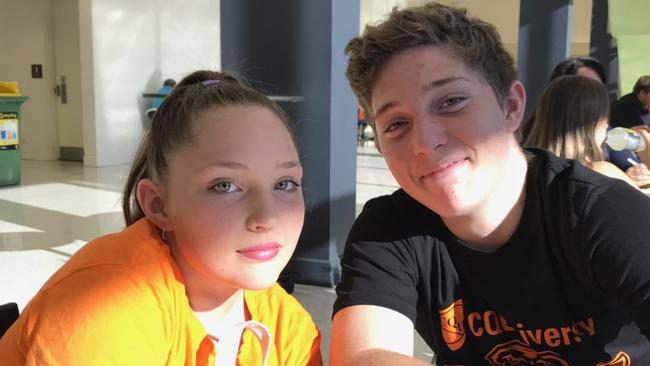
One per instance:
(162, 234)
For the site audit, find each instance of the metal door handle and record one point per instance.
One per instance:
(64, 90)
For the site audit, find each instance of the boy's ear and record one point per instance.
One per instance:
(375, 140)
(515, 105)
(377, 145)
(151, 197)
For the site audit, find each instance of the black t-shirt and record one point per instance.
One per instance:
(628, 112)
(570, 287)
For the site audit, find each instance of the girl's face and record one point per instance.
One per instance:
(233, 201)
(601, 132)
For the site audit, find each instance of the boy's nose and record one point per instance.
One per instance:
(427, 136)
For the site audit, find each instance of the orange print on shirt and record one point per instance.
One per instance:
(451, 323)
(621, 359)
(518, 353)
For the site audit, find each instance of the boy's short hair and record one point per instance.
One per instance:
(476, 43)
(643, 84)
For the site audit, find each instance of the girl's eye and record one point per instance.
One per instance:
(287, 185)
(225, 187)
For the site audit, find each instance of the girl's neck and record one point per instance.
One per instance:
(204, 302)
(203, 293)
(228, 314)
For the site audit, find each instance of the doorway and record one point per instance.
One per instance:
(67, 67)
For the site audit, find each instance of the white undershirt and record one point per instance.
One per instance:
(226, 333)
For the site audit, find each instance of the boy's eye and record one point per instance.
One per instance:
(450, 102)
(394, 125)
(287, 185)
(225, 187)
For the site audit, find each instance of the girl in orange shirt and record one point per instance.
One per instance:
(213, 208)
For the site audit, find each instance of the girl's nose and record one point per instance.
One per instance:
(262, 216)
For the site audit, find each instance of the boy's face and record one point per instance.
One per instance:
(444, 135)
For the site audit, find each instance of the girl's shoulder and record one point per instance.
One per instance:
(275, 308)
(610, 170)
(111, 294)
(271, 301)
(136, 252)
(296, 337)
(129, 269)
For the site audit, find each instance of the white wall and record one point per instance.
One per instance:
(127, 48)
(375, 11)
(130, 47)
(581, 27)
(25, 39)
(503, 14)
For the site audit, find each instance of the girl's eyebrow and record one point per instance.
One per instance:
(231, 165)
(235, 165)
(289, 164)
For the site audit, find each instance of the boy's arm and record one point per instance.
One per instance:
(371, 335)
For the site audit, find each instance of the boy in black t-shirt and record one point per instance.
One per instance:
(495, 255)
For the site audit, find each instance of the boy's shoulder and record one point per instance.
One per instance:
(547, 169)
(566, 189)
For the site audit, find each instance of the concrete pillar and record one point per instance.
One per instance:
(544, 41)
(295, 48)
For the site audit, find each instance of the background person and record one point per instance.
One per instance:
(571, 121)
(214, 209)
(589, 67)
(168, 86)
(581, 65)
(631, 110)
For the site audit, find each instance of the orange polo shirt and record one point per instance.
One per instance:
(120, 300)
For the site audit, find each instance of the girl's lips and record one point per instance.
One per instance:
(261, 252)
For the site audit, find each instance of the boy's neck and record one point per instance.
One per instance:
(492, 224)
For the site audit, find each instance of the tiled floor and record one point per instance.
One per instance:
(59, 206)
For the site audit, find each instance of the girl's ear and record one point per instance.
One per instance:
(151, 197)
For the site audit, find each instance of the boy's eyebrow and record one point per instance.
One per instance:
(426, 88)
(438, 83)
